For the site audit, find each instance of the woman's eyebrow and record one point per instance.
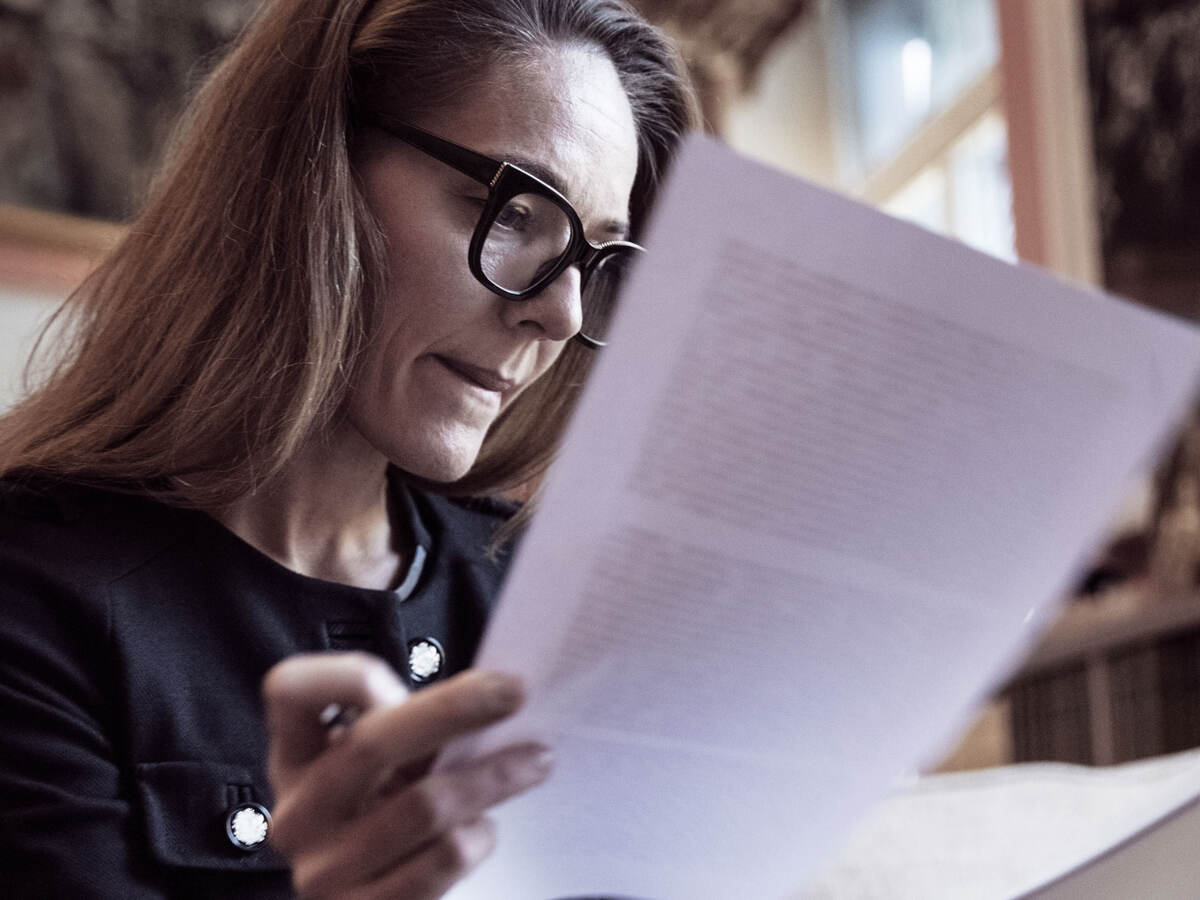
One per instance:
(616, 228)
(539, 171)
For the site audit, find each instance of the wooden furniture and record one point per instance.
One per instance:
(1112, 681)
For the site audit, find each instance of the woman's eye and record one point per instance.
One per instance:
(514, 216)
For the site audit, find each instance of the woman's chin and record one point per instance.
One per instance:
(440, 464)
(437, 474)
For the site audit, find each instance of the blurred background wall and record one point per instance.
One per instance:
(1144, 60)
(89, 90)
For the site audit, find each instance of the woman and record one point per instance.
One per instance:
(373, 273)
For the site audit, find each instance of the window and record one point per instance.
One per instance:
(922, 133)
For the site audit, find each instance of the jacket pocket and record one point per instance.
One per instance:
(185, 810)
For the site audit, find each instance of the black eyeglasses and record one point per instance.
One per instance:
(528, 234)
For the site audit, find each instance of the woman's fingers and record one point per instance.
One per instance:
(355, 811)
(298, 690)
(348, 777)
(402, 827)
(435, 869)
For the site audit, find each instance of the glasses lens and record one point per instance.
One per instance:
(602, 290)
(527, 237)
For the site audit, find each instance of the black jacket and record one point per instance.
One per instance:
(133, 639)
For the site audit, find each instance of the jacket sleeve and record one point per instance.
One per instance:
(66, 828)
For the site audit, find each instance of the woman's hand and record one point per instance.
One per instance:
(356, 811)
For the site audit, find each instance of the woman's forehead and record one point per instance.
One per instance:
(564, 116)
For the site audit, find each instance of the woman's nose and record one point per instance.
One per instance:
(556, 312)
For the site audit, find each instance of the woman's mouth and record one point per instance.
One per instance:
(478, 376)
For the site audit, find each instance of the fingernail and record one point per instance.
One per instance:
(335, 715)
(503, 693)
(542, 760)
(530, 765)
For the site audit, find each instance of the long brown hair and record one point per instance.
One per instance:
(221, 334)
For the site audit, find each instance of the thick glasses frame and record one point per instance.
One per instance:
(504, 181)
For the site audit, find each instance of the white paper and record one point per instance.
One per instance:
(997, 834)
(1158, 861)
(819, 491)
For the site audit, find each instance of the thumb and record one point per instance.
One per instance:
(299, 689)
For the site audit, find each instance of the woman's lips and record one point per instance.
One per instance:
(488, 379)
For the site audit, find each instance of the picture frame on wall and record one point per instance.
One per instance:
(89, 94)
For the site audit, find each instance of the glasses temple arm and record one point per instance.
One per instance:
(482, 168)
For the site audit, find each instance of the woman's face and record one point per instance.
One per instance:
(447, 355)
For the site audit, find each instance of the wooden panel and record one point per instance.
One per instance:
(1049, 127)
